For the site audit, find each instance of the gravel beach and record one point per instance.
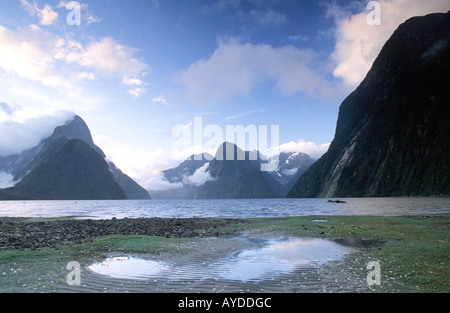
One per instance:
(23, 233)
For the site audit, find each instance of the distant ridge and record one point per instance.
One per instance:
(225, 177)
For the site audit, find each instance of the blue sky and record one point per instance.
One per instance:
(134, 69)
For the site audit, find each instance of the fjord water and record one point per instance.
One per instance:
(237, 208)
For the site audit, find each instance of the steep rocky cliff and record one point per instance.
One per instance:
(392, 134)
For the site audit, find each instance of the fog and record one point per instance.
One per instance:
(16, 137)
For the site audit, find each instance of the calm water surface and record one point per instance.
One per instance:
(225, 208)
(277, 257)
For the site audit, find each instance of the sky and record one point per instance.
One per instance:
(142, 73)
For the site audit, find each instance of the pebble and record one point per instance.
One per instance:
(19, 234)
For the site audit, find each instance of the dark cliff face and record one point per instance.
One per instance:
(77, 129)
(392, 134)
(73, 171)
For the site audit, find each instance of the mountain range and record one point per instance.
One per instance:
(392, 139)
(392, 134)
(67, 166)
(220, 177)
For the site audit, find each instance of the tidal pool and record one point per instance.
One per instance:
(128, 267)
(267, 260)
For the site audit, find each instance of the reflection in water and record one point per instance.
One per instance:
(280, 257)
(128, 267)
(277, 257)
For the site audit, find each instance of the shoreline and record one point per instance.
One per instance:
(30, 233)
(413, 251)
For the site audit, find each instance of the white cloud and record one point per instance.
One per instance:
(35, 75)
(146, 167)
(312, 149)
(132, 81)
(90, 19)
(16, 137)
(237, 69)
(358, 43)
(137, 86)
(161, 100)
(200, 177)
(57, 62)
(32, 99)
(6, 180)
(29, 54)
(108, 57)
(137, 92)
(87, 18)
(47, 16)
(143, 166)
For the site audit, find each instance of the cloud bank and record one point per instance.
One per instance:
(312, 149)
(358, 43)
(16, 137)
(41, 56)
(200, 177)
(47, 16)
(6, 180)
(237, 68)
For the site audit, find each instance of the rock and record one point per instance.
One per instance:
(336, 201)
(35, 235)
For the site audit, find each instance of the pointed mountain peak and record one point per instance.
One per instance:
(76, 128)
(230, 152)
